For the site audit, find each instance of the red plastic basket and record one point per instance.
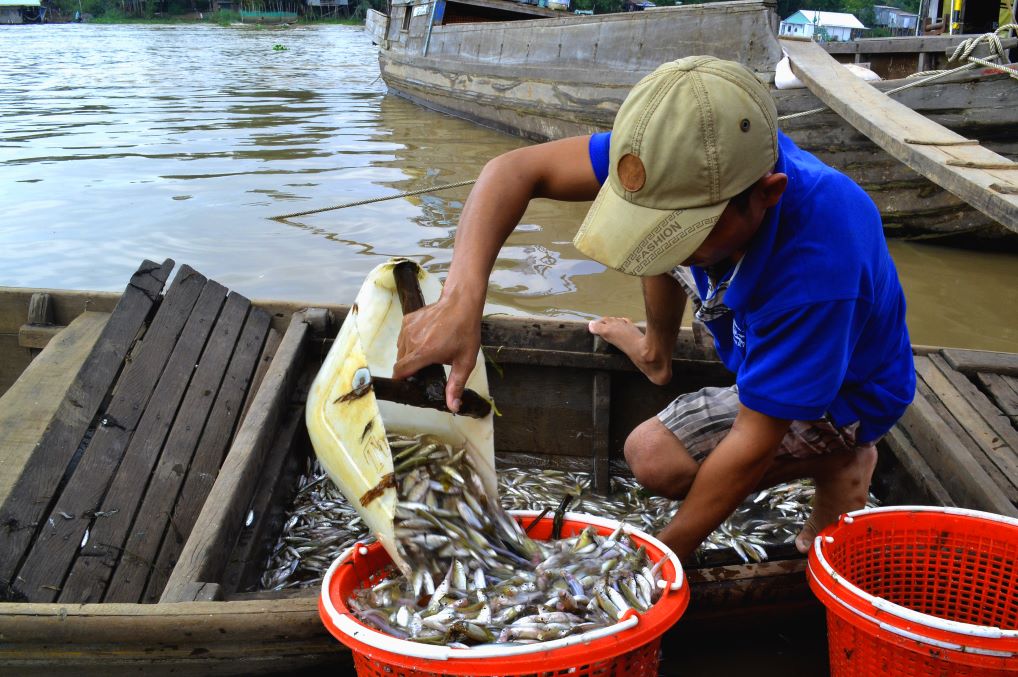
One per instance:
(627, 649)
(916, 590)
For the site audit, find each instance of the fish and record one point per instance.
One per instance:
(323, 520)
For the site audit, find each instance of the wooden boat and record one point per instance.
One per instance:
(73, 363)
(546, 78)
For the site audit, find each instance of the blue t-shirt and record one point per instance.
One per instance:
(818, 315)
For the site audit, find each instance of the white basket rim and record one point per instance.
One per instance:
(403, 647)
(904, 613)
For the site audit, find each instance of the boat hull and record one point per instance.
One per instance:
(553, 78)
(555, 391)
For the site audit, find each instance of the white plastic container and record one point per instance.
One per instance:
(347, 424)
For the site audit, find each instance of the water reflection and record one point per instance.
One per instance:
(182, 141)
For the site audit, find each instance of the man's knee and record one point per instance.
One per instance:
(658, 460)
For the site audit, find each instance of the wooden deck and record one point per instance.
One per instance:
(958, 439)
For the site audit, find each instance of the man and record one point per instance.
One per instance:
(785, 260)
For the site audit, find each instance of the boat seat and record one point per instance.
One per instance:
(117, 432)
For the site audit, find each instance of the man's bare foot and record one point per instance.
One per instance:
(627, 337)
(843, 486)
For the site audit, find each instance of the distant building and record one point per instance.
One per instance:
(898, 21)
(12, 11)
(832, 26)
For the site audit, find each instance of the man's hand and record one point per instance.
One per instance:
(442, 333)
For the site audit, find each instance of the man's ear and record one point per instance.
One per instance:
(772, 187)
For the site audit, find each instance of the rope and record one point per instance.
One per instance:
(409, 193)
(963, 51)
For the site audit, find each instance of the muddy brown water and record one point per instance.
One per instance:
(123, 142)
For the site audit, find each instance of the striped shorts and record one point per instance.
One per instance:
(702, 419)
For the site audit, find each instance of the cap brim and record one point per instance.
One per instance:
(639, 240)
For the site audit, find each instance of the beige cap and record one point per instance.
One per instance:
(689, 137)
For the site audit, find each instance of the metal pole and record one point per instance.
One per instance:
(431, 22)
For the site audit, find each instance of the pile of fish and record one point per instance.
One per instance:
(498, 584)
(444, 515)
(584, 582)
(321, 524)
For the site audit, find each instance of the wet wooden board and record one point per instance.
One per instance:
(90, 573)
(264, 360)
(211, 449)
(970, 361)
(32, 495)
(41, 388)
(152, 519)
(57, 544)
(207, 638)
(1004, 390)
(985, 423)
(968, 443)
(964, 478)
(984, 179)
(266, 509)
(534, 392)
(206, 552)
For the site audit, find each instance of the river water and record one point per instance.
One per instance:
(124, 142)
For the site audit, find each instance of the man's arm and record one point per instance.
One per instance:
(449, 331)
(724, 479)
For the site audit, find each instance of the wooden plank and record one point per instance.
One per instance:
(601, 427)
(31, 404)
(40, 309)
(39, 328)
(1004, 390)
(211, 449)
(206, 551)
(906, 44)
(264, 361)
(53, 551)
(970, 361)
(967, 440)
(277, 482)
(969, 485)
(67, 305)
(36, 337)
(131, 573)
(90, 574)
(31, 496)
(202, 592)
(984, 179)
(987, 425)
(243, 637)
(916, 467)
(535, 391)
